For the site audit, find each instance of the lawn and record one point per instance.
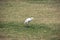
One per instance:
(45, 26)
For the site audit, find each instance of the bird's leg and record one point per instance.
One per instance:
(27, 25)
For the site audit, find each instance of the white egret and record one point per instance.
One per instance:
(28, 20)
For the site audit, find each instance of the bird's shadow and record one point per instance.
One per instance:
(27, 26)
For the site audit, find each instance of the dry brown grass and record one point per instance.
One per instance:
(18, 11)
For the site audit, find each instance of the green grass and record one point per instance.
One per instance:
(33, 31)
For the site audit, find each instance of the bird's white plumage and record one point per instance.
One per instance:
(28, 20)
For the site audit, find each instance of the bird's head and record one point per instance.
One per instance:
(32, 18)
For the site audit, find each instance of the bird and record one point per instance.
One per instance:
(28, 20)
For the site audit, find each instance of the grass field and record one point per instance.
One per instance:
(45, 26)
